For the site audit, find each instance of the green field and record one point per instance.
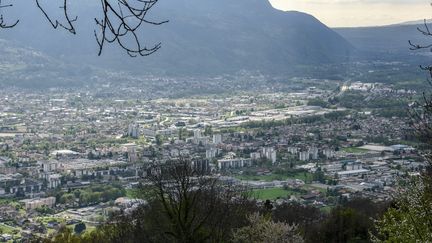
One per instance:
(326, 209)
(276, 177)
(275, 193)
(132, 193)
(271, 193)
(355, 150)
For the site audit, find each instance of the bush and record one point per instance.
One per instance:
(79, 228)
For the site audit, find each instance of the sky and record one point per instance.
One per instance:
(354, 13)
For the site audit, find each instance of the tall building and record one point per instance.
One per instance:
(304, 156)
(269, 153)
(211, 153)
(293, 150)
(54, 180)
(48, 166)
(233, 163)
(329, 153)
(202, 166)
(313, 153)
(255, 156)
(197, 134)
(217, 138)
(133, 131)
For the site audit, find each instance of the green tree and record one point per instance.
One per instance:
(263, 229)
(80, 227)
(208, 131)
(410, 218)
(159, 140)
(64, 235)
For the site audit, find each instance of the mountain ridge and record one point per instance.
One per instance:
(202, 37)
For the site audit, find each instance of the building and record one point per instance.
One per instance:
(203, 166)
(149, 132)
(38, 203)
(133, 131)
(255, 156)
(197, 134)
(269, 153)
(67, 154)
(313, 153)
(211, 153)
(217, 138)
(329, 153)
(224, 164)
(48, 166)
(350, 173)
(402, 148)
(292, 150)
(354, 165)
(304, 156)
(54, 180)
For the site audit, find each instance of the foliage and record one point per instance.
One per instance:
(351, 221)
(331, 116)
(391, 112)
(91, 195)
(306, 217)
(44, 210)
(356, 100)
(410, 218)
(263, 229)
(318, 102)
(319, 175)
(79, 228)
(64, 235)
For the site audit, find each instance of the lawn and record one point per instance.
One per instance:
(6, 229)
(354, 150)
(272, 193)
(132, 193)
(326, 209)
(46, 219)
(276, 177)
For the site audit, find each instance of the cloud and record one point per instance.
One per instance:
(364, 1)
(339, 13)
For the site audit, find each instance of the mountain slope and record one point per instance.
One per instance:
(202, 37)
(392, 39)
(29, 68)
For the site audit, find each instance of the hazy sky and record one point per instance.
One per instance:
(337, 13)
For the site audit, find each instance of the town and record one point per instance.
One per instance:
(75, 157)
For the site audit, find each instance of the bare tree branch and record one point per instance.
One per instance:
(120, 23)
(55, 23)
(421, 110)
(3, 24)
(192, 199)
(425, 31)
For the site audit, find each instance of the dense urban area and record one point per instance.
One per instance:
(76, 157)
